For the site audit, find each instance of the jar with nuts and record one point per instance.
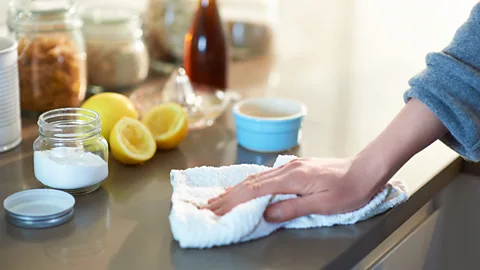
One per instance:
(51, 54)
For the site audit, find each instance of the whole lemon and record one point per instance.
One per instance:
(111, 107)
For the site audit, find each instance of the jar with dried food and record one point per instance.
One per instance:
(117, 55)
(52, 58)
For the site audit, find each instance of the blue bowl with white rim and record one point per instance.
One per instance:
(268, 124)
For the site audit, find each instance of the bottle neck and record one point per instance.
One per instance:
(69, 124)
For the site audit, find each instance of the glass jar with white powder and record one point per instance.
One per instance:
(70, 154)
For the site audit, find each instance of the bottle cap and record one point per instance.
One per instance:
(39, 208)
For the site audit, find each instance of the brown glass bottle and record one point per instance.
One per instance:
(206, 53)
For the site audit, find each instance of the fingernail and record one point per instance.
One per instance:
(274, 214)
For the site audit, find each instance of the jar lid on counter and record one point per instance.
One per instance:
(39, 208)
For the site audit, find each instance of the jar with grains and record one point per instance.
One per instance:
(117, 55)
(52, 58)
(70, 145)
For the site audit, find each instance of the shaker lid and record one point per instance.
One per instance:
(39, 208)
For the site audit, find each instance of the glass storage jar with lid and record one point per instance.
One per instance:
(117, 56)
(70, 154)
(52, 58)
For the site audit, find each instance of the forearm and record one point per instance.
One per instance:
(443, 103)
(450, 87)
(413, 129)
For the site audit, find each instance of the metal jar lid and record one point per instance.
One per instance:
(39, 208)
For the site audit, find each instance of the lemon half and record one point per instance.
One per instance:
(131, 142)
(168, 124)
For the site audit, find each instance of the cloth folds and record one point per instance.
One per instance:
(195, 228)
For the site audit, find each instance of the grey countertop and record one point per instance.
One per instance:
(124, 224)
(356, 57)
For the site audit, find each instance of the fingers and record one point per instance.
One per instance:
(248, 181)
(274, 181)
(241, 194)
(290, 209)
(253, 178)
(320, 203)
(254, 187)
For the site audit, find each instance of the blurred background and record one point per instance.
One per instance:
(344, 53)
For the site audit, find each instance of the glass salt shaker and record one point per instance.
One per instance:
(70, 154)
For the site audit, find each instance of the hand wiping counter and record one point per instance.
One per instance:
(194, 227)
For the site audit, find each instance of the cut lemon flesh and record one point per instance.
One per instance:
(168, 123)
(131, 142)
(111, 107)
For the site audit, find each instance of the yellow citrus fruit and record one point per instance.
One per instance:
(168, 123)
(111, 107)
(131, 142)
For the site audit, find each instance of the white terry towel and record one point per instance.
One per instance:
(195, 228)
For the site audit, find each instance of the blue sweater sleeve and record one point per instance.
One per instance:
(450, 87)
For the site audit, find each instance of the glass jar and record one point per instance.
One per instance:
(70, 154)
(52, 58)
(117, 56)
(167, 22)
(249, 26)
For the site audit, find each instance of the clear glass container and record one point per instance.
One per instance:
(52, 58)
(202, 107)
(249, 27)
(117, 56)
(167, 22)
(70, 154)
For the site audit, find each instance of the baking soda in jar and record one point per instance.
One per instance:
(74, 168)
(70, 154)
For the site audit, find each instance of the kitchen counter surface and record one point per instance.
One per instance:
(351, 74)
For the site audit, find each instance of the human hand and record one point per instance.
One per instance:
(324, 186)
(329, 186)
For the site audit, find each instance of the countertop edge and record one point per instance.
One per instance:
(391, 221)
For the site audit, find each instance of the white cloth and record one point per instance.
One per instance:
(195, 228)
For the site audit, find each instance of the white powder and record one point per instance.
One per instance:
(69, 168)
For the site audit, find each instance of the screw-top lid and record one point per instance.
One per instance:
(111, 22)
(43, 15)
(39, 208)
